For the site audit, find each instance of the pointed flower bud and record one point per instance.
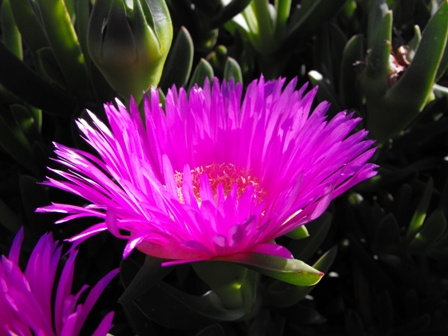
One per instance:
(130, 45)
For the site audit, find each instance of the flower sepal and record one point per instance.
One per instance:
(299, 233)
(235, 285)
(283, 295)
(292, 271)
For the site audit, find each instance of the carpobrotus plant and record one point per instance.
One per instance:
(212, 193)
(213, 176)
(26, 298)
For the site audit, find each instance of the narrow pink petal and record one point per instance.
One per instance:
(105, 325)
(63, 290)
(14, 253)
(93, 296)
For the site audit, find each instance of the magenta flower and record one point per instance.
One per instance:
(212, 175)
(25, 298)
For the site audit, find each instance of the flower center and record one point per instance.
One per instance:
(226, 174)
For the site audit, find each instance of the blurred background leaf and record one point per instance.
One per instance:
(384, 60)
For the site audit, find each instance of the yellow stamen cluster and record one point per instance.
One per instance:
(226, 174)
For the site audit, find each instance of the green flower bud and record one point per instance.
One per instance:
(130, 45)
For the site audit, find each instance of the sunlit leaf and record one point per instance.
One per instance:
(292, 271)
(232, 70)
(179, 62)
(420, 213)
(299, 233)
(203, 70)
(65, 45)
(284, 295)
(430, 232)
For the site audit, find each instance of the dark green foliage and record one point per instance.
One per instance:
(383, 246)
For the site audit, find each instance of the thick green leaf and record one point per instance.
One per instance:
(443, 66)
(419, 77)
(420, 213)
(282, 10)
(26, 85)
(348, 85)
(264, 23)
(392, 109)
(299, 233)
(81, 25)
(378, 63)
(375, 80)
(179, 62)
(414, 42)
(292, 271)
(282, 295)
(24, 119)
(305, 248)
(217, 59)
(160, 18)
(235, 285)
(37, 117)
(28, 23)
(65, 45)
(149, 274)
(50, 69)
(203, 70)
(378, 9)
(433, 228)
(10, 33)
(227, 280)
(232, 70)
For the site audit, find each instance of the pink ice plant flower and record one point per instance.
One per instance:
(212, 175)
(26, 298)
